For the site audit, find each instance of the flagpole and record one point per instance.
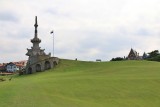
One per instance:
(53, 43)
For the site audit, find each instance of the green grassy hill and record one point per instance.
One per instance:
(86, 84)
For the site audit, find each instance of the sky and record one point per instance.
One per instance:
(83, 29)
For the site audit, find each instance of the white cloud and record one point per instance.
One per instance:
(84, 29)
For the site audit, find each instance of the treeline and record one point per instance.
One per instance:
(151, 56)
(118, 59)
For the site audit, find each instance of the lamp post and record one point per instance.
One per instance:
(52, 32)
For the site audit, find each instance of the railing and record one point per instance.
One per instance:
(6, 73)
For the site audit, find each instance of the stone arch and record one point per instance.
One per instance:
(47, 65)
(38, 68)
(54, 63)
(29, 70)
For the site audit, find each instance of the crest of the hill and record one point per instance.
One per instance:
(86, 84)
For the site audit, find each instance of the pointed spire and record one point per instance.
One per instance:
(36, 25)
(36, 39)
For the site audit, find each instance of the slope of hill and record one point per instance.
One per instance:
(86, 84)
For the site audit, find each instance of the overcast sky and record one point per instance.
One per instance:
(84, 29)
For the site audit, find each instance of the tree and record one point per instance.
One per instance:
(153, 54)
(117, 59)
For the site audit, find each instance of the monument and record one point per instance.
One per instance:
(38, 60)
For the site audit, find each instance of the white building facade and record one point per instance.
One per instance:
(11, 67)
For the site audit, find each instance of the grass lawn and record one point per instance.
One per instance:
(86, 84)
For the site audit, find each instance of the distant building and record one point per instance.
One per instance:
(98, 60)
(11, 67)
(2, 67)
(21, 64)
(134, 55)
(38, 60)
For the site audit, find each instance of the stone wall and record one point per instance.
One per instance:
(42, 65)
